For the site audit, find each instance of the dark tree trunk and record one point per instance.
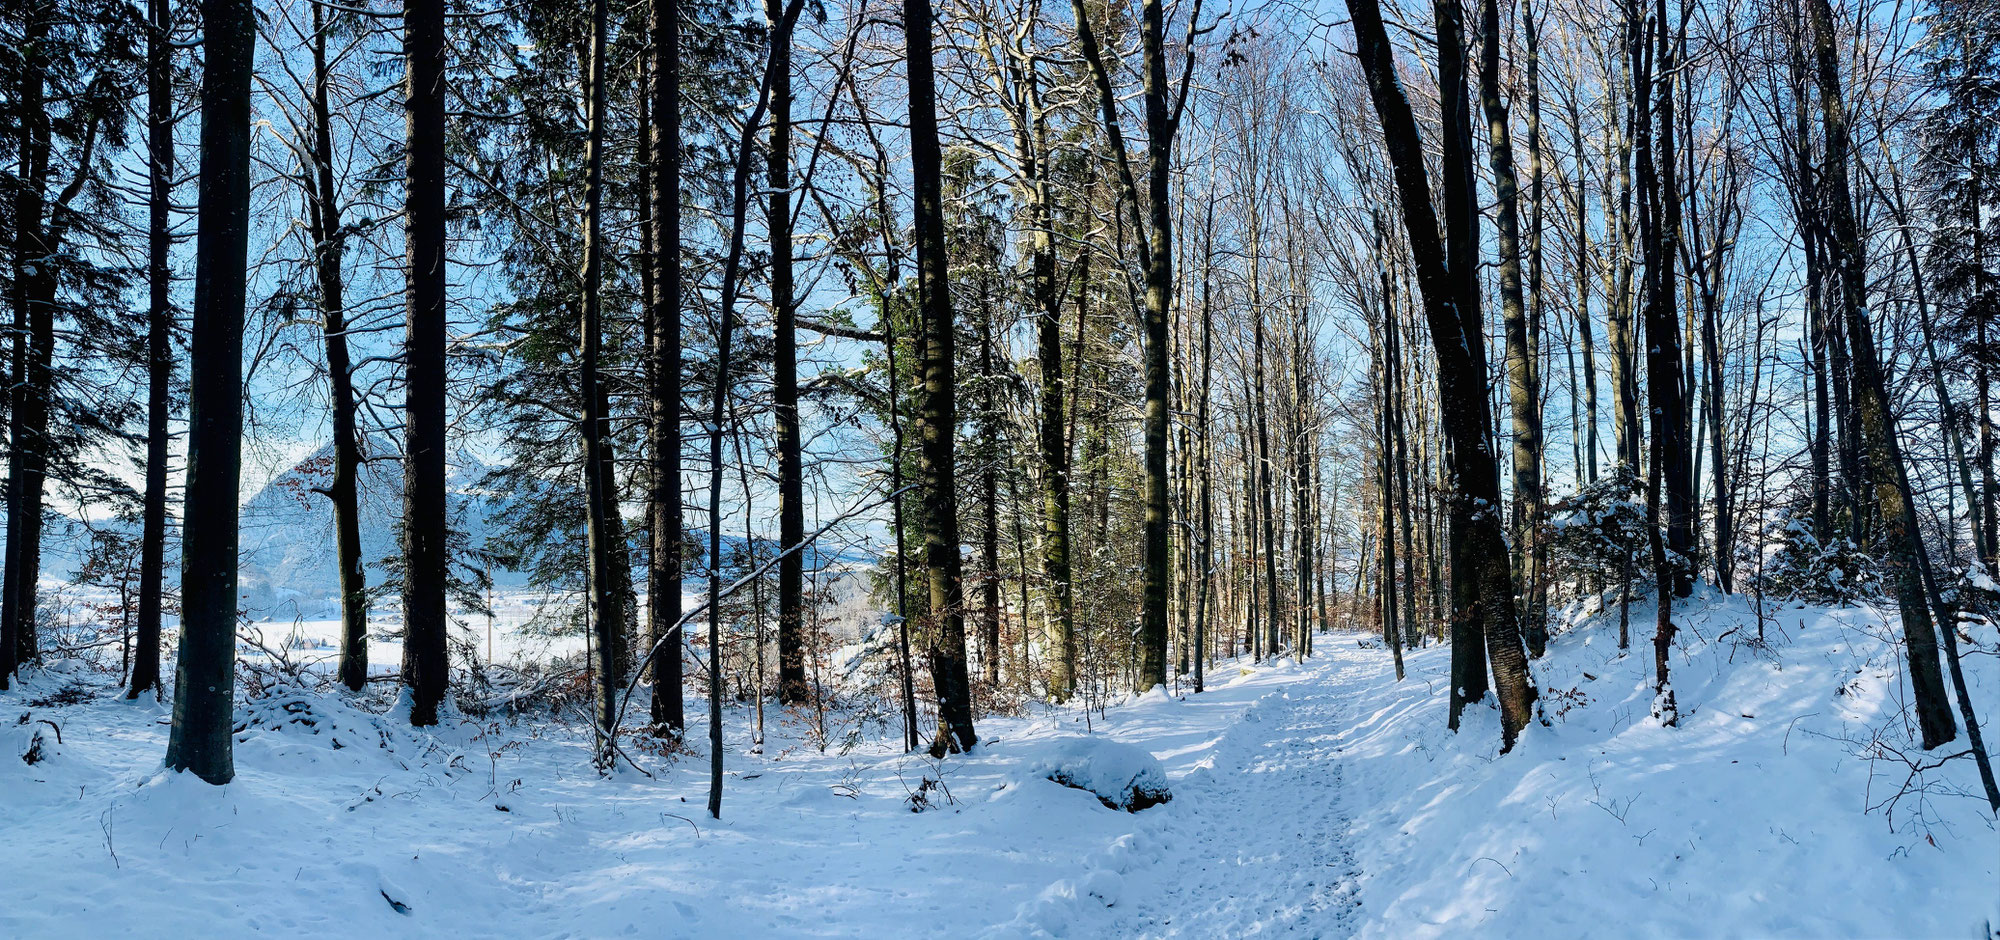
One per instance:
(34, 349)
(792, 688)
(944, 643)
(342, 491)
(1206, 537)
(1483, 612)
(426, 664)
(1160, 128)
(606, 615)
(159, 345)
(1156, 258)
(989, 536)
(1263, 458)
(732, 270)
(1392, 632)
(1582, 274)
(1625, 126)
(204, 676)
(1902, 540)
(663, 585)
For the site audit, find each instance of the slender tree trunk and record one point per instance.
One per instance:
(204, 675)
(1206, 539)
(664, 574)
(989, 536)
(159, 346)
(605, 613)
(944, 643)
(792, 688)
(1902, 540)
(426, 663)
(342, 491)
(732, 270)
(908, 670)
(1582, 274)
(1392, 631)
(1265, 512)
(1666, 383)
(1618, 318)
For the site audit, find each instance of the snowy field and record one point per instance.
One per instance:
(1312, 799)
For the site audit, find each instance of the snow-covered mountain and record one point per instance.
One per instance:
(287, 548)
(287, 552)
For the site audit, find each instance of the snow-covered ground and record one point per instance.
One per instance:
(1772, 810)
(1313, 799)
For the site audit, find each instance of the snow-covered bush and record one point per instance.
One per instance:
(1599, 531)
(1120, 775)
(1800, 566)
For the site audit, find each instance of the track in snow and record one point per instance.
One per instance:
(1255, 841)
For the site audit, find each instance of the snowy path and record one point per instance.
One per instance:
(1255, 841)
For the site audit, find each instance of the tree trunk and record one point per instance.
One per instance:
(1052, 437)
(204, 676)
(603, 528)
(1582, 274)
(944, 643)
(35, 249)
(1263, 459)
(426, 663)
(342, 491)
(159, 345)
(989, 483)
(1523, 386)
(792, 688)
(1483, 612)
(1902, 540)
(663, 584)
(1160, 128)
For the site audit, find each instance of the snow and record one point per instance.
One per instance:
(1122, 776)
(1771, 810)
(1319, 798)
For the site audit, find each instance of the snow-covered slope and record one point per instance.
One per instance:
(1776, 808)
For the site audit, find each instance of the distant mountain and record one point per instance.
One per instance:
(816, 556)
(288, 564)
(287, 552)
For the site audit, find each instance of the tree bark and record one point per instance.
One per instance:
(944, 645)
(1523, 385)
(204, 676)
(792, 687)
(426, 663)
(159, 346)
(35, 248)
(663, 584)
(342, 491)
(1483, 611)
(1902, 540)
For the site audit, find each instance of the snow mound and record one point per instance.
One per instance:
(1120, 775)
(299, 724)
(36, 744)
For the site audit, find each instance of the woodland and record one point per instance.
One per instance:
(667, 398)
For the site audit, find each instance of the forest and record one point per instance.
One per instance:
(1414, 468)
